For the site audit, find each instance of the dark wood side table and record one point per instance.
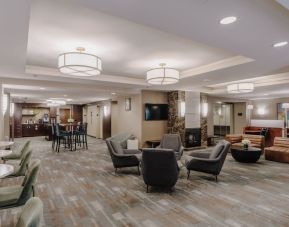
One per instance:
(153, 143)
(211, 140)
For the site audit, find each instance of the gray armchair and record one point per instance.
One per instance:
(208, 162)
(13, 196)
(172, 142)
(18, 155)
(120, 155)
(159, 167)
(32, 213)
(21, 169)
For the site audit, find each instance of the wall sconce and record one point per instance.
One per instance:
(11, 109)
(250, 107)
(4, 103)
(204, 109)
(182, 109)
(105, 111)
(261, 111)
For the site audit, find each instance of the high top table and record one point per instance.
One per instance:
(6, 170)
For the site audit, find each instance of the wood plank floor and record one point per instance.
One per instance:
(81, 189)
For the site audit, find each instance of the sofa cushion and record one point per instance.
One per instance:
(279, 149)
(234, 138)
(281, 142)
(117, 147)
(216, 151)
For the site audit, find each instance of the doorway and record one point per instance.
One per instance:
(223, 119)
(93, 121)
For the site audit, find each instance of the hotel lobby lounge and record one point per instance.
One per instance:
(144, 113)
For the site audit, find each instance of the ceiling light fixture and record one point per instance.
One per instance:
(42, 88)
(55, 102)
(280, 44)
(228, 20)
(240, 88)
(79, 63)
(113, 93)
(163, 75)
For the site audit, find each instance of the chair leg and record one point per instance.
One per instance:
(86, 142)
(115, 170)
(147, 189)
(188, 174)
(138, 170)
(216, 178)
(33, 191)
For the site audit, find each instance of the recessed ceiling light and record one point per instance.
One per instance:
(113, 93)
(228, 20)
(266, 94)
(280, 44)
(42, 88)
(64, 95)
(68, 100)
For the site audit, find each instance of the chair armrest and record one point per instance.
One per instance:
(195, 159)
(197, 154)
(181, 150)
(131, 151)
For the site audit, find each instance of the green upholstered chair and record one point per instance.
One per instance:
(21, 169)
(18, 155)
(13, 196)
(31, 214)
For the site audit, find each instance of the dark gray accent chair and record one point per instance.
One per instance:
(32, 213)
(172, 142)
(120, 155)
(208, 162)
(13, 196)
(159, 167)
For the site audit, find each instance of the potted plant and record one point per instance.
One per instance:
(246, 143)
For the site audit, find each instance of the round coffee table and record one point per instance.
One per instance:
(250, 155)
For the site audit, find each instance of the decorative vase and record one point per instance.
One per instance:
(246, 146)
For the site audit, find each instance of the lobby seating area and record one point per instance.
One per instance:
(148, 113)
(100, 196)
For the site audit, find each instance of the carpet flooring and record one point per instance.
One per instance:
(80, 188)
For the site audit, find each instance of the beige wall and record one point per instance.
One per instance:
(153, 130)
(269, 106)
(127, 121)
(239, 121)
(133, 121)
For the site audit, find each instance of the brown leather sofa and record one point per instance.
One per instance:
(279, 152)
(256, 140)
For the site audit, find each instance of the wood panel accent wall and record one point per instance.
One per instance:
(17, 120)
(77, 113)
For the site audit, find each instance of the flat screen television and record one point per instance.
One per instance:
(156, 112)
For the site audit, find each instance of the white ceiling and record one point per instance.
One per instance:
(132, 36)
